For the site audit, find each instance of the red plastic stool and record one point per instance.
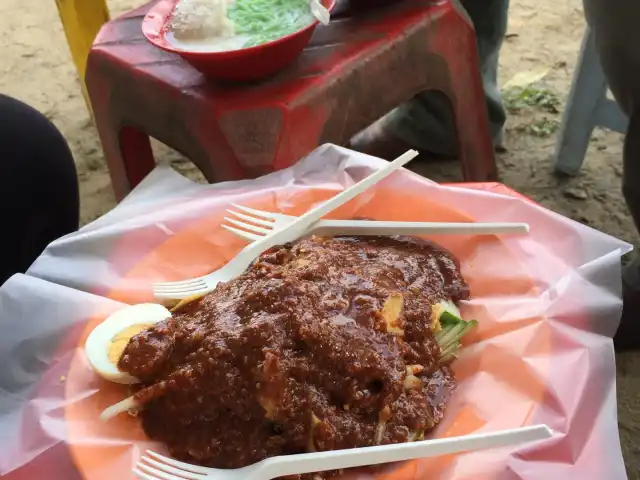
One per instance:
(353, 72)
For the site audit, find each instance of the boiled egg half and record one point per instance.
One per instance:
(107, 341)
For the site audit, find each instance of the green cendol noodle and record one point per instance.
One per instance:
(267, 20)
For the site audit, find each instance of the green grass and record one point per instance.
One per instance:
(543, 127)
(534, 96)
(538, 99)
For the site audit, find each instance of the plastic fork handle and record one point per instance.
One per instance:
(299, 226)
(364, 227)
(356, 457)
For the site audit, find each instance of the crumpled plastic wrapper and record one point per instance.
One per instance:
(547, 303)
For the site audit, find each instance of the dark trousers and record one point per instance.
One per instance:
(426, 121)
(615, 24)
(39, 193)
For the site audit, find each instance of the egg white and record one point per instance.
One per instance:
(97, 344)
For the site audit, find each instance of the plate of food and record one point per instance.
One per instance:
(322, 344)
(235, 40)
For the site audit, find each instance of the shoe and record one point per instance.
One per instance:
(378, 141)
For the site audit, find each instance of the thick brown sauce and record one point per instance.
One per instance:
(298, 355)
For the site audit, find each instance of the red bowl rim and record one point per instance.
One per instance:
(155, 23)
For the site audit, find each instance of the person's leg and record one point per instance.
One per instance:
(617, 38)
(39, 192)
(628, 334)
(426, 122)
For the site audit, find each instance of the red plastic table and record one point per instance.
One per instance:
(353, 72)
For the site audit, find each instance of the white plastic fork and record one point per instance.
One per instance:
(297, 228)
(154, 466)
(255, 224)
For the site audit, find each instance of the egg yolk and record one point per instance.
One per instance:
(119, 342)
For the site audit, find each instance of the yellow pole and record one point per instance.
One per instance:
(81, 20)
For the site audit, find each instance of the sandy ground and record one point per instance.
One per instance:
(35, 66)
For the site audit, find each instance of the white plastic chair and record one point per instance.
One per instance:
(587, 107)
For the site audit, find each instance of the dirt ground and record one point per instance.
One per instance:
(35, 66)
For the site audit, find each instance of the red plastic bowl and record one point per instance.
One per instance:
(237, 65)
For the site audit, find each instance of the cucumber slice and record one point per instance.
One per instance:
(450, 349)
(469, 325)
(449, 313)
(443, 332)
(452, 308)
(453, 328)
(447, 318)
(453, 335)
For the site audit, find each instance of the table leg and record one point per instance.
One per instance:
(81, 20)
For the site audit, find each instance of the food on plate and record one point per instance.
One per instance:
(225, 25)
(327, 343)
(107, 341)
